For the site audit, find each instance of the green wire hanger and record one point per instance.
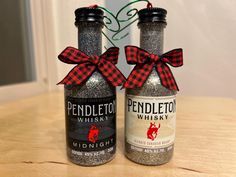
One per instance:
(116, 24)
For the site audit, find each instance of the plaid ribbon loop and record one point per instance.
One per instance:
(145, 61)
(86, 65)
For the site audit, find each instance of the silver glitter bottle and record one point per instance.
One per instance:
(90, 123)
(149, 141)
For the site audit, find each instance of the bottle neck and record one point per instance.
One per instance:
(152, 37)
(90, 38)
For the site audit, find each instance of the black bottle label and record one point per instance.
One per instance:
(90, 123)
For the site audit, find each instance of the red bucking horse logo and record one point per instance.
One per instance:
(93, 134)
(153, 131)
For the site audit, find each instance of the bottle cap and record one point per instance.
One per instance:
(154, 14)
(87, 14)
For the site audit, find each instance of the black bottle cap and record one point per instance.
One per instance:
(152, 15)
(87, 14)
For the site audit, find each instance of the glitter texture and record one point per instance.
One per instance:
(90, 42)
(151, 39)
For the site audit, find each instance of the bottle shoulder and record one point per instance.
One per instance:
(151, 87)
(95, 87)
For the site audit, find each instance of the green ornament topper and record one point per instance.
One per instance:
(116, 24)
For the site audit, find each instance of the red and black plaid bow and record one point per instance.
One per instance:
(88, 64)
(145, 62)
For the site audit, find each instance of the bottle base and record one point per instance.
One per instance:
(148, 159)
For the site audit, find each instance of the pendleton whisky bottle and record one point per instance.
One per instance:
(90, 108)
(150, 110)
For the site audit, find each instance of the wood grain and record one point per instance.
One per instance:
(32, 141)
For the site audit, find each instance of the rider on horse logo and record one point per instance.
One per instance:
(93, 134)
(152, 131)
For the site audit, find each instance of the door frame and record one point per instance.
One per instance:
(44, 45)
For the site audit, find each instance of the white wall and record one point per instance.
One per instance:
(205, 29)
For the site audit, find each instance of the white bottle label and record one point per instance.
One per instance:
(150, 121)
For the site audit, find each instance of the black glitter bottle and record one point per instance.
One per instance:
(149, 134)
(90, 108)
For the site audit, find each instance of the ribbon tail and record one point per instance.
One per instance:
(167, 77)
(78, 75)
(138, 76)
(111, 73)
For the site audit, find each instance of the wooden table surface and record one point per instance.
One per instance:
(32, 141)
